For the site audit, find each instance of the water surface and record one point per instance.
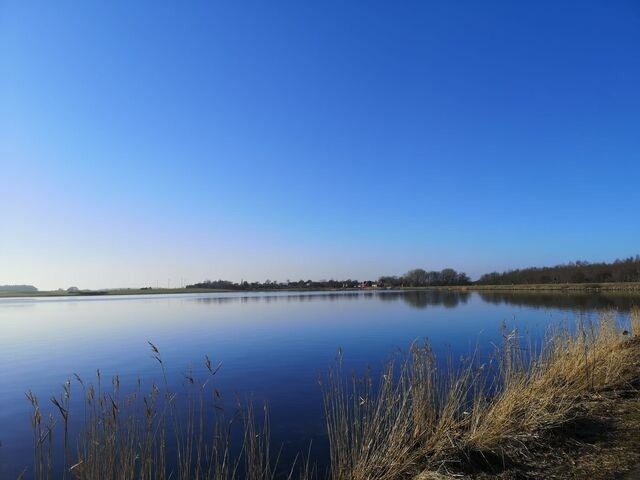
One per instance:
(273, 346)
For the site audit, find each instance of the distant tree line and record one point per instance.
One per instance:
(413, 278)
(422, 278)
(18, 288)
(275, 285)
(621, 270)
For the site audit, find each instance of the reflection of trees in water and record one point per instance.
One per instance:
(426, 298)
(450, 298)
(564, 300)
(417, 299)
(302, 297)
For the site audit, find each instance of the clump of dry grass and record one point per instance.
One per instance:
(635, 321)
(369, 426)
(541, 392)
(156, 434)
(387, 429)
(417, 416)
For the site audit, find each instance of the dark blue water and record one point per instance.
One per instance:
(272, 346)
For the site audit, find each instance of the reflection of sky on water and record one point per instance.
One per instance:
(272, 346)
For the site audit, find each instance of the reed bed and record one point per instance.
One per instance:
(156, 434)
(419, 413)
(417, 416)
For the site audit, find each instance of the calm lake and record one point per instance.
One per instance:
(273, 346)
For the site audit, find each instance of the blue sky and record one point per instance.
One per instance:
(148, 141)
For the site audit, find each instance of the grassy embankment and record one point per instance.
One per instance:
(522, 413)
(559, 287)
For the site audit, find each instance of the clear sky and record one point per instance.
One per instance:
(148, 141)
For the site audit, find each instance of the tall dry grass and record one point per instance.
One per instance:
(156, 434)
(417, 416)
(634, 321)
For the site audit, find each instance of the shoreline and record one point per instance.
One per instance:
(556, 287)
(551, 287)
(168, 291)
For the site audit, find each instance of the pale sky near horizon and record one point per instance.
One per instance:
(148, 141)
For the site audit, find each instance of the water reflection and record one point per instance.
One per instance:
(420, 299)
(428, 298)
(415, 298)
(276, 298)
(574, 301)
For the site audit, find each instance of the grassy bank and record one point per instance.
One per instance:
(550, 287)
(116, 291)
(159, 291)
(504, 415)
(558, 287)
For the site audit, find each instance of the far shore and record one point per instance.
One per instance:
(548, 287)
(115, 291)
(557, 287)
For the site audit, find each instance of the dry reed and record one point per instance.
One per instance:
(416, 416)
(156, 435)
